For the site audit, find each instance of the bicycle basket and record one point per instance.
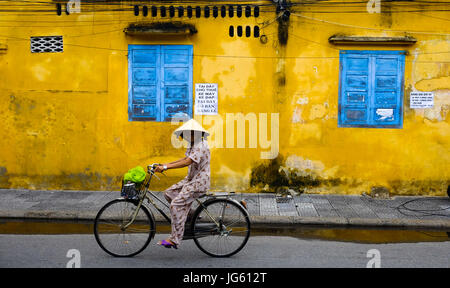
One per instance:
(129, 191)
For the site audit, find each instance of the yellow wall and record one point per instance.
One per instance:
(64, 120)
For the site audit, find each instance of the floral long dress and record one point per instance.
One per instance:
(182, 194)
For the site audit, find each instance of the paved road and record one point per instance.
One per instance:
(261, 251)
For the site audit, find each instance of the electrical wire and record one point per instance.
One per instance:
(368, 28)
(402, 208)
(130, 9)
(424, 212)
(429, 16)
(106, 22)
(215, 56)
(92, 7)
(365, 11)
(338, 49)
(418, 4)
(314, 42)
(99, 22)
(409, 4)
(325, 3)
(264, 24)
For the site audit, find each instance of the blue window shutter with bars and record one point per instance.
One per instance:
(143, 82)
(371, 89)
(159, 82)
(176, 88)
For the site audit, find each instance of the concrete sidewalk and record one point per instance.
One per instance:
(264, 209)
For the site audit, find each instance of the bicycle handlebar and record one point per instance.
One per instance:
(151, 169)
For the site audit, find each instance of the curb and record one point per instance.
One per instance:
(350, 222)
(257, 221)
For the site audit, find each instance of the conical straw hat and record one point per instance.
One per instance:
(190, 125)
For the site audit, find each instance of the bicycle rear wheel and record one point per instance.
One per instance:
(220, 227)
(116, 239)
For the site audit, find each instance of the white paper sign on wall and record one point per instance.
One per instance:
(420, 100)
(206, 98)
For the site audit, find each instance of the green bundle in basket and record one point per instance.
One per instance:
(135, 175)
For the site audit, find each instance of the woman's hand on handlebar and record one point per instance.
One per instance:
(152, 167)
(180, 163)
(160, 168)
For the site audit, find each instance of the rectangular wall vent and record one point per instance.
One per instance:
(47, 44)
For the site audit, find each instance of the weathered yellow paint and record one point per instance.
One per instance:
(65, 123)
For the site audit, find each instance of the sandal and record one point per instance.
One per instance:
(167, 244)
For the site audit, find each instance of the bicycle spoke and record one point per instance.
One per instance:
(234, 222)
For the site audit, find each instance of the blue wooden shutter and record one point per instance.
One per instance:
(386, 105)
(143, 83)
(176, 79)
(160, 82)
(354, 90)
(371, 89)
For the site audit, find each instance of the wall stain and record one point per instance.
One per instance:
(269, 176)
(283, 21)
(3, 171)
(283, 36)
(4, 178)
(386, 14)
(408, 111)
(419, 187)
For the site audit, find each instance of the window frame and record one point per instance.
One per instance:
(372, 57)
(159, 66)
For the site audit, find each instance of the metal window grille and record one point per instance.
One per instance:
(47, 44)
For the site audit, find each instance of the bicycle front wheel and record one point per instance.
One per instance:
(117, 234)
(221, 227)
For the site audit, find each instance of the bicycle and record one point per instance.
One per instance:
(124, 227)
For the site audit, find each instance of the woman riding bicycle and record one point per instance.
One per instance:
(182, 194)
